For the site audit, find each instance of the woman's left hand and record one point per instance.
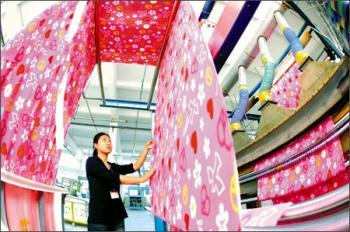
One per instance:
(149, 144)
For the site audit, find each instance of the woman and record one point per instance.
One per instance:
(106, 209)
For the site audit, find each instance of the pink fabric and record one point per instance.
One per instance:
(195, 186)
(33, 66)
(311, 171)
(341, 179)
(133, 31)
(30, 65)
(264, 216)
(82, 62)
(286, 90)
(22, 208)
(223, 27)
(49, 212)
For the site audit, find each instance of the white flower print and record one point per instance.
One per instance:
(277, 188)
(28, 50)
(193, 207)
(14, 138)
(189, 174)
(302, 178)
(184, 104)
(206, 147)
(335, 165)
(48, 97)
(193, 84)
(308, 181)
(178, 210)
(33, 63)
(201, 123)
(138, 22)
(297, 170)
(8, 90)
(54, 25)
(19, 103)
(24, 136)
(34, 35)
(152, 12)
(197, 174)
(312, 160)
(222, 218)
(201, 94)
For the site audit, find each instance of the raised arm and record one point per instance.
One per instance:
(142, 157)
(136, 180)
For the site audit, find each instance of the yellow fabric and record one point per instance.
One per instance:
(301, 56)
(264, 96)
(235, 126)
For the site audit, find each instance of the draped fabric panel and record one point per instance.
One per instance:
(195, 186)
(31, 72)
(318, 173)
(133, 31)
(42, 78)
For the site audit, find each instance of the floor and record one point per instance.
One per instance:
(138, 220)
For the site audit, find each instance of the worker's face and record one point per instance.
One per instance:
(104, 144)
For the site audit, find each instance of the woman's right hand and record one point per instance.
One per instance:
(148, 175)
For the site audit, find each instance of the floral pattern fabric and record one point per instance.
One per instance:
(195, 186)
(33, 69)
(311, 173)
(133, 31)
(286, 91)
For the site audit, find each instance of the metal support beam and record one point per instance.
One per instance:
(166, 37)
(128, 108)
(329, 47)
(2, 36)
(41, 211)
(98, 58)
(3, 207)
(111, 126)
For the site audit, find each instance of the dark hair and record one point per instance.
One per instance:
(96, 138)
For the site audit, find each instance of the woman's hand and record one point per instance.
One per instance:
(148, 175)
(136, 180)
(149, 144)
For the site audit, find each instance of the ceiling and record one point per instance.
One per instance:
(132, 82)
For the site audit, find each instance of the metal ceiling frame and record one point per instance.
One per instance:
(111, 126)
(166, 38)
(97, 51)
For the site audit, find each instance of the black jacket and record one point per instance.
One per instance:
(102, 208)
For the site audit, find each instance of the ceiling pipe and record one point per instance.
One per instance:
(246, 49)
(166, 38)
(243, 100)
(207, 8)
(269, 73)
(245, 15)
(329, 47)
(257, 86)
(299, 54)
